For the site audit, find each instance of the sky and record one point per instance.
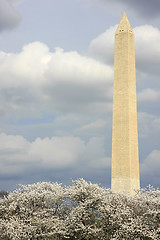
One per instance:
(56, 89)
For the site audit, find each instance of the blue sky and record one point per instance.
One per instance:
(56, 87)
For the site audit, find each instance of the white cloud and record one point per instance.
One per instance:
(13, 154)
(18, 155)
(150, 168)
(77, 91)
(61, 81)
(77, 68)
(148, 94)
(94, 125)
(147, 47)
(11, 142)
(67, 82)
(147, 40)
(57, 151)
(26, 68)
(35, 64)
(103, 46)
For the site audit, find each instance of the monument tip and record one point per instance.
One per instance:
(124, 24)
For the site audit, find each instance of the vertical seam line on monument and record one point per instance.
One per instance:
(128, 33)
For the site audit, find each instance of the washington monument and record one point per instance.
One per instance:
(125, 157)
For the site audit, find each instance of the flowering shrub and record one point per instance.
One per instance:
(81, 211)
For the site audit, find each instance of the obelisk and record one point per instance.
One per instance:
(125, 157)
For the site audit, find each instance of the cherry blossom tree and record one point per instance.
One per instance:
(3, 194)
(80, 211)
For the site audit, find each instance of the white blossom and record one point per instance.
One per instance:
(81, 211)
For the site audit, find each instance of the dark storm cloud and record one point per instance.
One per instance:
(145, 8)
(9, 17)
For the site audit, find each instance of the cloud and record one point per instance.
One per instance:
(13, 154)
(68, 98)
(19, 156)
(23, 159)
(77, 68)
(144, 8)
(57, 151)
(93, 128)
(147, 48)
(61, 81)
(149, 95)
(156, 124)
(147, 40)
(150, 169)
(67, 82)
(25, 68)
(9, 16)
(94, 125)
(145, 124)
(102, 46)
